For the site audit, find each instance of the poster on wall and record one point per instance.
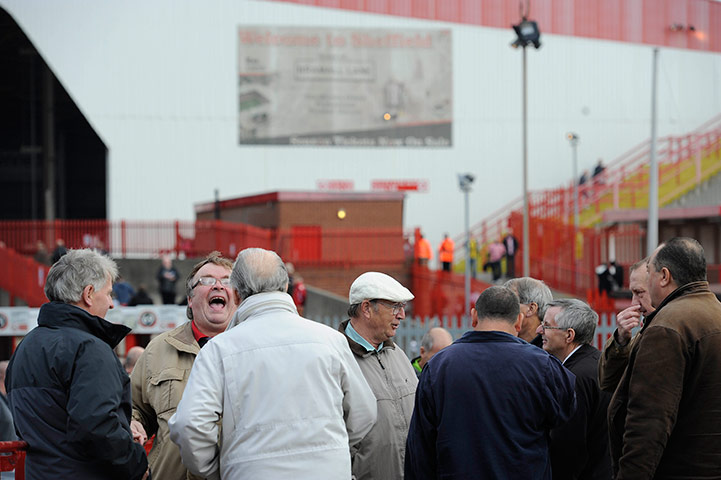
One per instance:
(344, 87)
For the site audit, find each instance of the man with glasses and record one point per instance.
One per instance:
(377, 306)
(486, 403)
(579, 449)
(161, 373)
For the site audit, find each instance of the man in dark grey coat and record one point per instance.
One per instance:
(68, 392)
(579, 449)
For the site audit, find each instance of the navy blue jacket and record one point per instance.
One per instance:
(484, 409)
(70, 398)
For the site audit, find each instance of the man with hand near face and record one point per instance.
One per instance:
(161, 373)
(615, 353)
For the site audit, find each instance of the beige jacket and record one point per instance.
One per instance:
(389, 373)
(158, 382)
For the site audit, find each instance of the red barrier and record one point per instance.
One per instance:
(12, 457)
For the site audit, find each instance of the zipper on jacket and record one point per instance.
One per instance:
(379, 361)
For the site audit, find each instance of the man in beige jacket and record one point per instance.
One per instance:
(377, 306)
(161, 373)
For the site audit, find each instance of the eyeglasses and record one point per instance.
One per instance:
(548, 327)
(210, 281)
(395, 307)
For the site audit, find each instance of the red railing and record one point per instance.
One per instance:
(12, 458)
(22, 277)
(566, 258)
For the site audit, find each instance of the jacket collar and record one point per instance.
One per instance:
(260, 303)
(358, 349)
(64, 315)
(183, 340)
(689, 288)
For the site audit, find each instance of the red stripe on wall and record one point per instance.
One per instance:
(698, 22)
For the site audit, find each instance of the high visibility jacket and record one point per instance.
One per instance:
(423, 249)
(446, 250)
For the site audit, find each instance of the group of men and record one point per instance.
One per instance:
(247, 388)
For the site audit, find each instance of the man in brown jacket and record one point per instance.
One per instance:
(664, 419)
(161, 373)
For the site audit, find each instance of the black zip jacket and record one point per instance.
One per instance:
(70, 398)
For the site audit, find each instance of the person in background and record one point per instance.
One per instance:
(123, 291)
(42, 255)
(167, 278)
(445, 253)
(511, 245)
(141, 297)
(433, 341)
(422, 251)
(131, 358)
(69, 394)
(7, 427)
(59, 251)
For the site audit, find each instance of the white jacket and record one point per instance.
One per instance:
(290, 395)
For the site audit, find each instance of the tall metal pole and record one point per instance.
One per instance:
(574, 149)
(652, 230)
(526, 235)
(467, 309)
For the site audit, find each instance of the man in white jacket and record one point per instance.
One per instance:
(286, 391)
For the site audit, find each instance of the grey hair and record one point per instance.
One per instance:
(577, 315)
(75, 270)
(531, 290)
(427, 341)
(257, 270)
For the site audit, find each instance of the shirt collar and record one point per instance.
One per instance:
(197, 334)
(572, 352)
(356, 337)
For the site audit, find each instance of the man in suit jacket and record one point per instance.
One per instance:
(579, 449)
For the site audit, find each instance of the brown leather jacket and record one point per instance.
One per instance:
(664, 419)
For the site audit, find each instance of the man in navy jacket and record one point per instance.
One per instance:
(68, 392)
(485, 404)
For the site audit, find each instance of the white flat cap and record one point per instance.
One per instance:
(372, 285)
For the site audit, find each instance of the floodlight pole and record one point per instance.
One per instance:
(526, 234)
(467, 308)
(652, 229)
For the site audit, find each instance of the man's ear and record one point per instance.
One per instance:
(87, 295)
(532, 309)
(474, 317)
(666, 278)
(519, 323)
(236, 296)
(570, 335)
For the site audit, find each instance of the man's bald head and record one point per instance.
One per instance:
(433, 341)
(257, 270)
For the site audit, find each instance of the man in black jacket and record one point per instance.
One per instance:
(579, 449)
(69, 394)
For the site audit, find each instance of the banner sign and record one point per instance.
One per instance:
(18, 321)
(400, 185)
(345, 87)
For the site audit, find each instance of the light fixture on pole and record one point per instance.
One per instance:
(528, 34)
(464, 182)
(573, 140)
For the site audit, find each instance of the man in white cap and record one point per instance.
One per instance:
(377, 306)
